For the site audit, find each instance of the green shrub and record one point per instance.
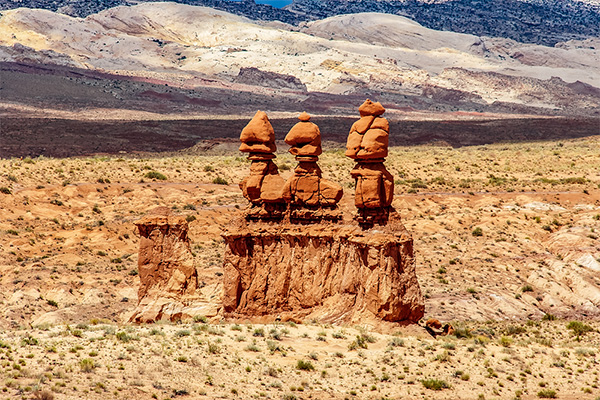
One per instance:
(182, 333)
(547, 394)
(305, 365)
(87, 365)
(5, 190)
(435, 384)
(477, 232)
(220, 181)
(549, 317)
(123, 337)
(155, 175)
(579, 328)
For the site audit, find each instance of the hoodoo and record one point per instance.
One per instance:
(309, 195)
(263, 186)
(368, 146)
(310, 262)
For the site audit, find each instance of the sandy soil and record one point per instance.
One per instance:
(68, 255)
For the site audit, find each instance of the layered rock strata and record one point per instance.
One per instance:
(263, 186)
(168, 276)
(309, 196)
(368, 145)
(331, 272)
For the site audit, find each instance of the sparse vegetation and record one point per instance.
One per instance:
(58, 243)
(155, 175)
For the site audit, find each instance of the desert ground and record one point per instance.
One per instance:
(506, 247)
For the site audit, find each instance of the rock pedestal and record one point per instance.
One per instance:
(168, 277)
(314, 264)
(332, 272)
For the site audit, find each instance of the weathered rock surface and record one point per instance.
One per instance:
(305, 138)
(258, 136)
(333, 272)
(168, 276)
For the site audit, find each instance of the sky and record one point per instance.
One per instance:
(275, 3)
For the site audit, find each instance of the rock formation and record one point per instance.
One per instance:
(263, 186)
(168, 277)
(368, 146)
(313, 265)
(309, 196)
(331, 272)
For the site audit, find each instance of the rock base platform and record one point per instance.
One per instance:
(332, 272)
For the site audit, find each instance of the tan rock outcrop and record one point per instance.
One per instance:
(332, 272)
(168, 276)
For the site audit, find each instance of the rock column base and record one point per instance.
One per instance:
(335, 273)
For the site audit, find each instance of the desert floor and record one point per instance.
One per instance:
(504, 232)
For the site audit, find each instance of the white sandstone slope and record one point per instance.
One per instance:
(337, 55)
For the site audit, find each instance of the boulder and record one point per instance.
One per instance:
(370, 108)
(374, 145)
(304, 138)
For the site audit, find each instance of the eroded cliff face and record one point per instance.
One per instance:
(331, 272)
(169, 287)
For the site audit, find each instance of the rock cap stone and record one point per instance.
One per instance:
(370, 108)
(304, 117)
(258, 136)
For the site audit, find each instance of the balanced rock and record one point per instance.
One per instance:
(307, 188)
(370, 108)
(367, 144)
(263, 186)
(304, 137)
(369, 136)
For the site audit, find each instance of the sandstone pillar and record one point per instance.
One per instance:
(168, 276)
(263, 186)
(368, 146)
(309, 196)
